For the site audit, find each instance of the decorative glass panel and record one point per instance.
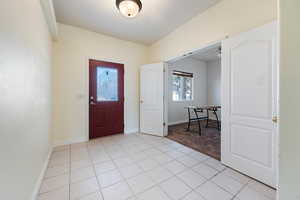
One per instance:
(182, 88)
(107, 84)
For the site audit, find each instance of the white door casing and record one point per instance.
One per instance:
(152, 99)
(249, 103)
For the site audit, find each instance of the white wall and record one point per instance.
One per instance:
(289, 175)
(25, 97)
(214, 85)
(70, 79)
(228, 17)
(176, 111)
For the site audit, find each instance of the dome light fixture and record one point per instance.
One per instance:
(129, 8)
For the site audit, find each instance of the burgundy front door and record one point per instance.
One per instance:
(106, 97)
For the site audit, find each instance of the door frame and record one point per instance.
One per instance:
(121, 90)
(85, 94)
(203, 48)
(166, 75)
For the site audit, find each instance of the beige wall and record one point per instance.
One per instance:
(228, 17)
(289, 175)
(70, 79)
(75, 46)
(25, 97)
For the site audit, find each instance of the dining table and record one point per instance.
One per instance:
(201, 109)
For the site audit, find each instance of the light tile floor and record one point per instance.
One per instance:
(143, 167)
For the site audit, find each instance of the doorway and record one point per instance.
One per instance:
(194, 103)
(249, 93)
(249, 101)
(106, 98)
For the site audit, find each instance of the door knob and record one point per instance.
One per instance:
(92, 100)
(275, 119)
(142, 101)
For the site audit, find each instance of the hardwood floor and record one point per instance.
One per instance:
(208, 143)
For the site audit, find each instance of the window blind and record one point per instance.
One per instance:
(181, 73)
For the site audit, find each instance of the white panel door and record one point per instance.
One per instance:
(249, 103)
(151, 99)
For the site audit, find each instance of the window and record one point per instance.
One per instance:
(182, 86)
(107, 84)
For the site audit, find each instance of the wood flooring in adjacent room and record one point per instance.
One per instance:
(208, 143)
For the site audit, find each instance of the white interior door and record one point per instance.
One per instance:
(249, 103)
(151, 99)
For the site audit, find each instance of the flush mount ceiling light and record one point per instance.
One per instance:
(129, 8)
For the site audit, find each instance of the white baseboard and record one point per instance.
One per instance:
(181, 122)
(41, 176)
(84, 139)
(131, 131)
(69, 141)
(178, 122)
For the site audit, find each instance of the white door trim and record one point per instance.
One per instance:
(166, 96)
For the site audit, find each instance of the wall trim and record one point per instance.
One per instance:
(49, 13)
(85, 139)
(186, 121)
(131, 131)
(41, 176)
(178, 122)
(69, 141)
(202, 48)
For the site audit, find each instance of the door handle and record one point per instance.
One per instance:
(92, 100)
(142, 101)
(275, 119)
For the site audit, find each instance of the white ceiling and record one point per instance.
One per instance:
(157, 18)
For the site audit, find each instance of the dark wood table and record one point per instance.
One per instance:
(201, 109)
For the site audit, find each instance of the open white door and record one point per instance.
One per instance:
(151, 99)
(249, 103)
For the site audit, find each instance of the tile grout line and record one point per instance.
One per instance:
(218, 173)
(156, 184)
(46, 178)
(242, 188)
(94, 169)
(86, 178)
(134, 195)
(244, 185)
(190, 168)
(175, 174)
(207, 180)
(153, 146)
